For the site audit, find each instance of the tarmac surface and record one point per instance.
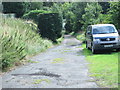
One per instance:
(62, 66)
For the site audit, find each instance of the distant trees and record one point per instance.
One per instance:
(81, 14)
(78, 15)
(92, 14)
(79, 9)
(73, 12)
(105, 6)
(70, 22)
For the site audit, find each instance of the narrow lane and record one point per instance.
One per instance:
(63, 66)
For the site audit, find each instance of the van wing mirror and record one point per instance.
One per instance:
(88, 33)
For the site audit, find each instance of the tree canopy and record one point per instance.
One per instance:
(76, 14)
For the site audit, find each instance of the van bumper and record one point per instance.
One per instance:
(106, 46)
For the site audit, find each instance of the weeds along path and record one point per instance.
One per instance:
(63, 66)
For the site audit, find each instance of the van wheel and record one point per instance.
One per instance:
(93, 50)
(87, 45)
(118, 49)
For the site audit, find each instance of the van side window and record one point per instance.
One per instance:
(90, 29)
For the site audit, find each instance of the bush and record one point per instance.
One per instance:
(50, 26)
(81, 37)
(33, 14)
(18, 40)
(70, 22)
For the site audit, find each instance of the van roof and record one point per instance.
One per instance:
(102, 25)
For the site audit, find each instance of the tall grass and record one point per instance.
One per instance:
(19, 39)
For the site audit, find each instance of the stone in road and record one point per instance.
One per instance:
(63, 66)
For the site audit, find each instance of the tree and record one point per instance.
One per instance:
(79, 9)
(70, 24)
(56, 8)
(75, 11)
(105, 6)
(66, 7)
(114, 12)
(92, 14)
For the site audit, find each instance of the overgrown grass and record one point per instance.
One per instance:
(19, 39)
(104, 67)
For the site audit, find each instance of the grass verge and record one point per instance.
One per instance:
(104, 67)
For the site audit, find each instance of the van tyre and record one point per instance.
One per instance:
(87, 45)
(118, 49)
(93, 50)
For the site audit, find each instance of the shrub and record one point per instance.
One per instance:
(50, 26)
(81, 37)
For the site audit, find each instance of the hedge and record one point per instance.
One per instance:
(50, 26)
(33, 14)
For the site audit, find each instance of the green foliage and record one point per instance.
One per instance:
(33, 15)
(114, 13)
(20, 8)
(56, 8)
(48, 21)
(105, 6)
(70, 22)
(66, 7)
(50, 26)
(69, 16)
(81, 36)
(14, 7)
(18, 40)
(78, 9)
(73, 12)
(92, 12)
(105, 18)
(28, 6)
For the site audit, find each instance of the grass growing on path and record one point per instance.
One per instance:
(38, 81)
(104, 67)
(58, 60)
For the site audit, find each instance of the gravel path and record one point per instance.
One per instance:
(63, 66)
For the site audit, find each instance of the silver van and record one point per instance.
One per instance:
(102, 36)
